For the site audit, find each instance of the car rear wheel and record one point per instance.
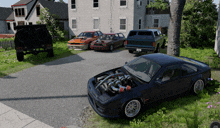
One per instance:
(89, 46)
(130, 51)
(123, 44)
(50, 53)
(111, 48)
(20, 56)
(157, 49)
(198, 86)
(132, 108)
(163, 45)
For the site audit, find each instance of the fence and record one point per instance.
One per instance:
(7, 44)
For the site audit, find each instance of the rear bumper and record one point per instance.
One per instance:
(143, 49)
(82, 47)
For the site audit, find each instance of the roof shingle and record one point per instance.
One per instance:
(22, 2)
(5, 12)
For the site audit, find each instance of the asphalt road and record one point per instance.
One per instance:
(55, 93)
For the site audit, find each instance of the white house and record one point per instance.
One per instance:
(112, 16)
(26, 12)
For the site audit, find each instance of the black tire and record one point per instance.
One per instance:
(130, 51)
(125, 112)
(163, 45)
(157, 49)
(89, 46)
(111, 48)
(50, 53)
(123, 44)
(20, 56)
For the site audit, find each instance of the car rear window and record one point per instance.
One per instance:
(141, 35)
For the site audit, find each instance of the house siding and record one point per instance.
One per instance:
(140, 14)
(163, 20)
(109, 13)
(3, 27)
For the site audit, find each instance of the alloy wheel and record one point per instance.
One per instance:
(198, 86)
(132, 108)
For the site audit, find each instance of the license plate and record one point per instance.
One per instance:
(138, 49)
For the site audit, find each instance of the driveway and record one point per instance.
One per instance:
(55, 93)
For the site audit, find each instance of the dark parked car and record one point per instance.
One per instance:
(108, 41)
(145, 40)
(124, 90)
(32, 39)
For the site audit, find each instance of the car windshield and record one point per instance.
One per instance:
(85, 34)
(142, 68)
(106, 37)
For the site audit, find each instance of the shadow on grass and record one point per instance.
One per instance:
(169, 103)
(58, 59)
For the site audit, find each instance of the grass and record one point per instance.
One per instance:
(9, 63)
(185, 111)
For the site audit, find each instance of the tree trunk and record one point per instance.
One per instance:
(176, 10)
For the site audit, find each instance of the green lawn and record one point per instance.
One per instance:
(9, 63)
(184, 112)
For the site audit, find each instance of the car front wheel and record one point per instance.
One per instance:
(198, 86)
(130, 51)
(132, 108)
(111, 48)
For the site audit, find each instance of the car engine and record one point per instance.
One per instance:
(113, 83)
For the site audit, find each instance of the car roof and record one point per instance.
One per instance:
(109, 33)
(163, 59)
(90, 31)
(146, 30)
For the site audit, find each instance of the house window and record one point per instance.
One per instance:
(139, 23)
(96, 23)
(122, 2)
(19, 12)
(156, 22)
(74, 23)
(38, 10)
(122, 24)
(30, 23)
(95, 3)
(139, 3)
(22, 11)
(16, 12)
(20, 22)
(9, 27)
(148, 2)
(14, 24)
(73, 4)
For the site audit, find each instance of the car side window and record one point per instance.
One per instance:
(188, 69)
(116, 36)
(96, 34)
(121, 35)
(100, 33)
(156, 34)
(171, 73)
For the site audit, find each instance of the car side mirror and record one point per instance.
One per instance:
(126, 62)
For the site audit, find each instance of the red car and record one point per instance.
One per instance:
(83, 40)
(108, 41)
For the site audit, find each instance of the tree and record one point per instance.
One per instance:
(61, 1)
(198, 24)
(52, 23)
(176, 9)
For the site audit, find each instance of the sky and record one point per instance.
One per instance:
(8, 3)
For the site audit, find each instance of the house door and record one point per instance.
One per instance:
(20, 22)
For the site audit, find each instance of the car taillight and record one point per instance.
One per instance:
(154, 44)
(125, 42)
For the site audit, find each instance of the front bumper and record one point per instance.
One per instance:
(81, 47)
(107, 112)
(140, 49)
(100, 47)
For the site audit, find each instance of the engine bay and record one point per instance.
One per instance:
(114, 82)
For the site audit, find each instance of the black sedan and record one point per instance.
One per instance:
(124, 90)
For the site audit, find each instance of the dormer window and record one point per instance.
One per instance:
(122, 2)
(19, 12)
(38, 10)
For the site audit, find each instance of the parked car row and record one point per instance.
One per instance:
(137, 40)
